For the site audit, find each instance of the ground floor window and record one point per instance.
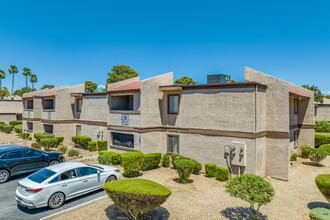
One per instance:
(19, 117)
(78, 130)
(125, 140)
(173, 144)
(48, 129)
(295, 138)
(29, 126)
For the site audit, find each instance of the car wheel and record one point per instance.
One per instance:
(4, 176)
(111, 178)
(56, 200)
(53, 162)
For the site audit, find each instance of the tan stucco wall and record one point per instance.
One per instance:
(9, 109)
(95, 108)
(92, 131)
(323, 112)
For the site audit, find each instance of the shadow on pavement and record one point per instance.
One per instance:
(114, 213)
(240, 213)
(312, 205)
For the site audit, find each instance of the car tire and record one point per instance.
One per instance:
(56, 200)
(53, 162)
(111, 178)
(4, 176)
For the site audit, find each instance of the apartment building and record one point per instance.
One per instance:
(322, 110)
(250, 127)
(10, 109)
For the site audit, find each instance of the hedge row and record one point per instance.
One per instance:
(321, 139)
(6, 128)
(220, 173)
(81, 141)
(14, 123)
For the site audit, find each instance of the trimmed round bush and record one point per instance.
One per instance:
(197, 169)
(75, 139)
(210, 170)
(166, 160)
(305, 151)
(14, 123)
(252, 189)
(25, 136)
(39, 136)
(321, 139)
(62, 149)
(92, 146)
(49, 142)
(102, 145)
(326, 147)
(131, 162)
(59, 140)
(18, 129)
(7, 128)
(150, 161)
(136, 197)
(322, 126)
(184, 168)
(222, 173)
(323, 183)
(320, 214)
(316, 155)
(109, 158)
(293, 157)
(83, 141)
(73, 153)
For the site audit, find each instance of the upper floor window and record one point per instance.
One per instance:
(48, 104)
(295, 106)
(28, 104)
(173, 104)
(79, 105)
(122, 102)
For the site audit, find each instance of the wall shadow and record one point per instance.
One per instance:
(241, 213)
(313, 205)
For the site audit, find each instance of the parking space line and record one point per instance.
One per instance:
(72, 208)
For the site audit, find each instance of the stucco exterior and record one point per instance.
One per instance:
(10, 110)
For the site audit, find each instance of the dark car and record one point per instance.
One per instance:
(15, 160)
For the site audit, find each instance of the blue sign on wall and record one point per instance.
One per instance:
(124, 119)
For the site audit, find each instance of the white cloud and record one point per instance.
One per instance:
(101, 86)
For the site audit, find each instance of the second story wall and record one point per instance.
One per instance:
(94, 107)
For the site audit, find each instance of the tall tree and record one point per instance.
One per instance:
(185, 80)
(26, 73)
(121, 72)
(5, 92)
(33, 80)
(90, 86)
(47, 86)
(2, 76)
(318, 96)
(12, 70)
(20, 92)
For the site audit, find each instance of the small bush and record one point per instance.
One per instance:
(150, 161)
(109, 158)
(320, 214)
(316, 155)
(102, 145)
(102, 152)
(2, 123)
(322, 126)
(75, 139)
(49, 142)
(7, 128)
(1, 126)
(252, 189)
(197, 168)
(173, 158)
(293, 157)
(39, 136)
(305, 151)
(131, 162)
(18, 129)
(166, 160)
(325, 147)
(25, 136)
(62, 149)
(222, 174)
(14, 123)
(323, 184)
(59, 140)
(184, 168)
(321, 139)
(36, 145)
(73, 153)
(92, 146)
(136, 197)
(81, 141)
(210, 170)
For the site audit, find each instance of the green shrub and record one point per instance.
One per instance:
(252, 189)
(166, 160)
(323, 184)
(7, 128)
(81, 141)
(222, 173)
(184, 167)
(73, 153)
(321, 139)
(36, 145)
(18, 129)
(75, 139)
(14, 123)
(210, 170)
(316, 155)
(320, 214)
(1, 126)
(92, 146)
(305, 151)
(131, 162)
(49, 142)
(102, 145)
(39, 136)
(62, 149)
(326, 147)
(293, 157)
(25, 136)
(150, 161)
(109, 158)
(136, 197)
(2, 123)
(197, 168)
(59, 140)
(173, 158)
(102, 152)
(322, 126)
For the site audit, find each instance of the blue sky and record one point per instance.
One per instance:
(69, 42)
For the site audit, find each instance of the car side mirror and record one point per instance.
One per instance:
(98, 172)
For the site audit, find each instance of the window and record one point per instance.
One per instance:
(85, 171)
(123, 102)
(68, 175)
(295, 138)
(125, 140)
(14, 155)
(48, 104)
(29, 104)
(78, 130)
(79, 105)
(48, 129)
(29, 126)
(295, 106)
(173, 144)
(19, 117)
(41, 175)
(173, 104)
(32, 153)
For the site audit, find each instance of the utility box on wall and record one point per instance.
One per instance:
(238, 154)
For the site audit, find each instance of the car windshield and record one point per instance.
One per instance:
(41, 175)
(92, 165)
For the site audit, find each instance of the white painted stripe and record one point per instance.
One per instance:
(72, 208)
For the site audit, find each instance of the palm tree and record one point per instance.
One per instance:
(33, 80)
(12, 70)
(26, 73)
(2, 76)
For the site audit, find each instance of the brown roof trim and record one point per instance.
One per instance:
(216, 86)
(322, 105)
(80, 94)
(11, 100)
(31, 119)
(43, 96)
(124, 91)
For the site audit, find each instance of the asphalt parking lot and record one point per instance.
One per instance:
(10, 210)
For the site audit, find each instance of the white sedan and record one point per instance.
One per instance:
(53, 185)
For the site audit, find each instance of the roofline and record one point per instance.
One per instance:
(80, 94)
(216, 86)
(124, 91)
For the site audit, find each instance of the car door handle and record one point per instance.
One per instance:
(85, 180)
(64, 185)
